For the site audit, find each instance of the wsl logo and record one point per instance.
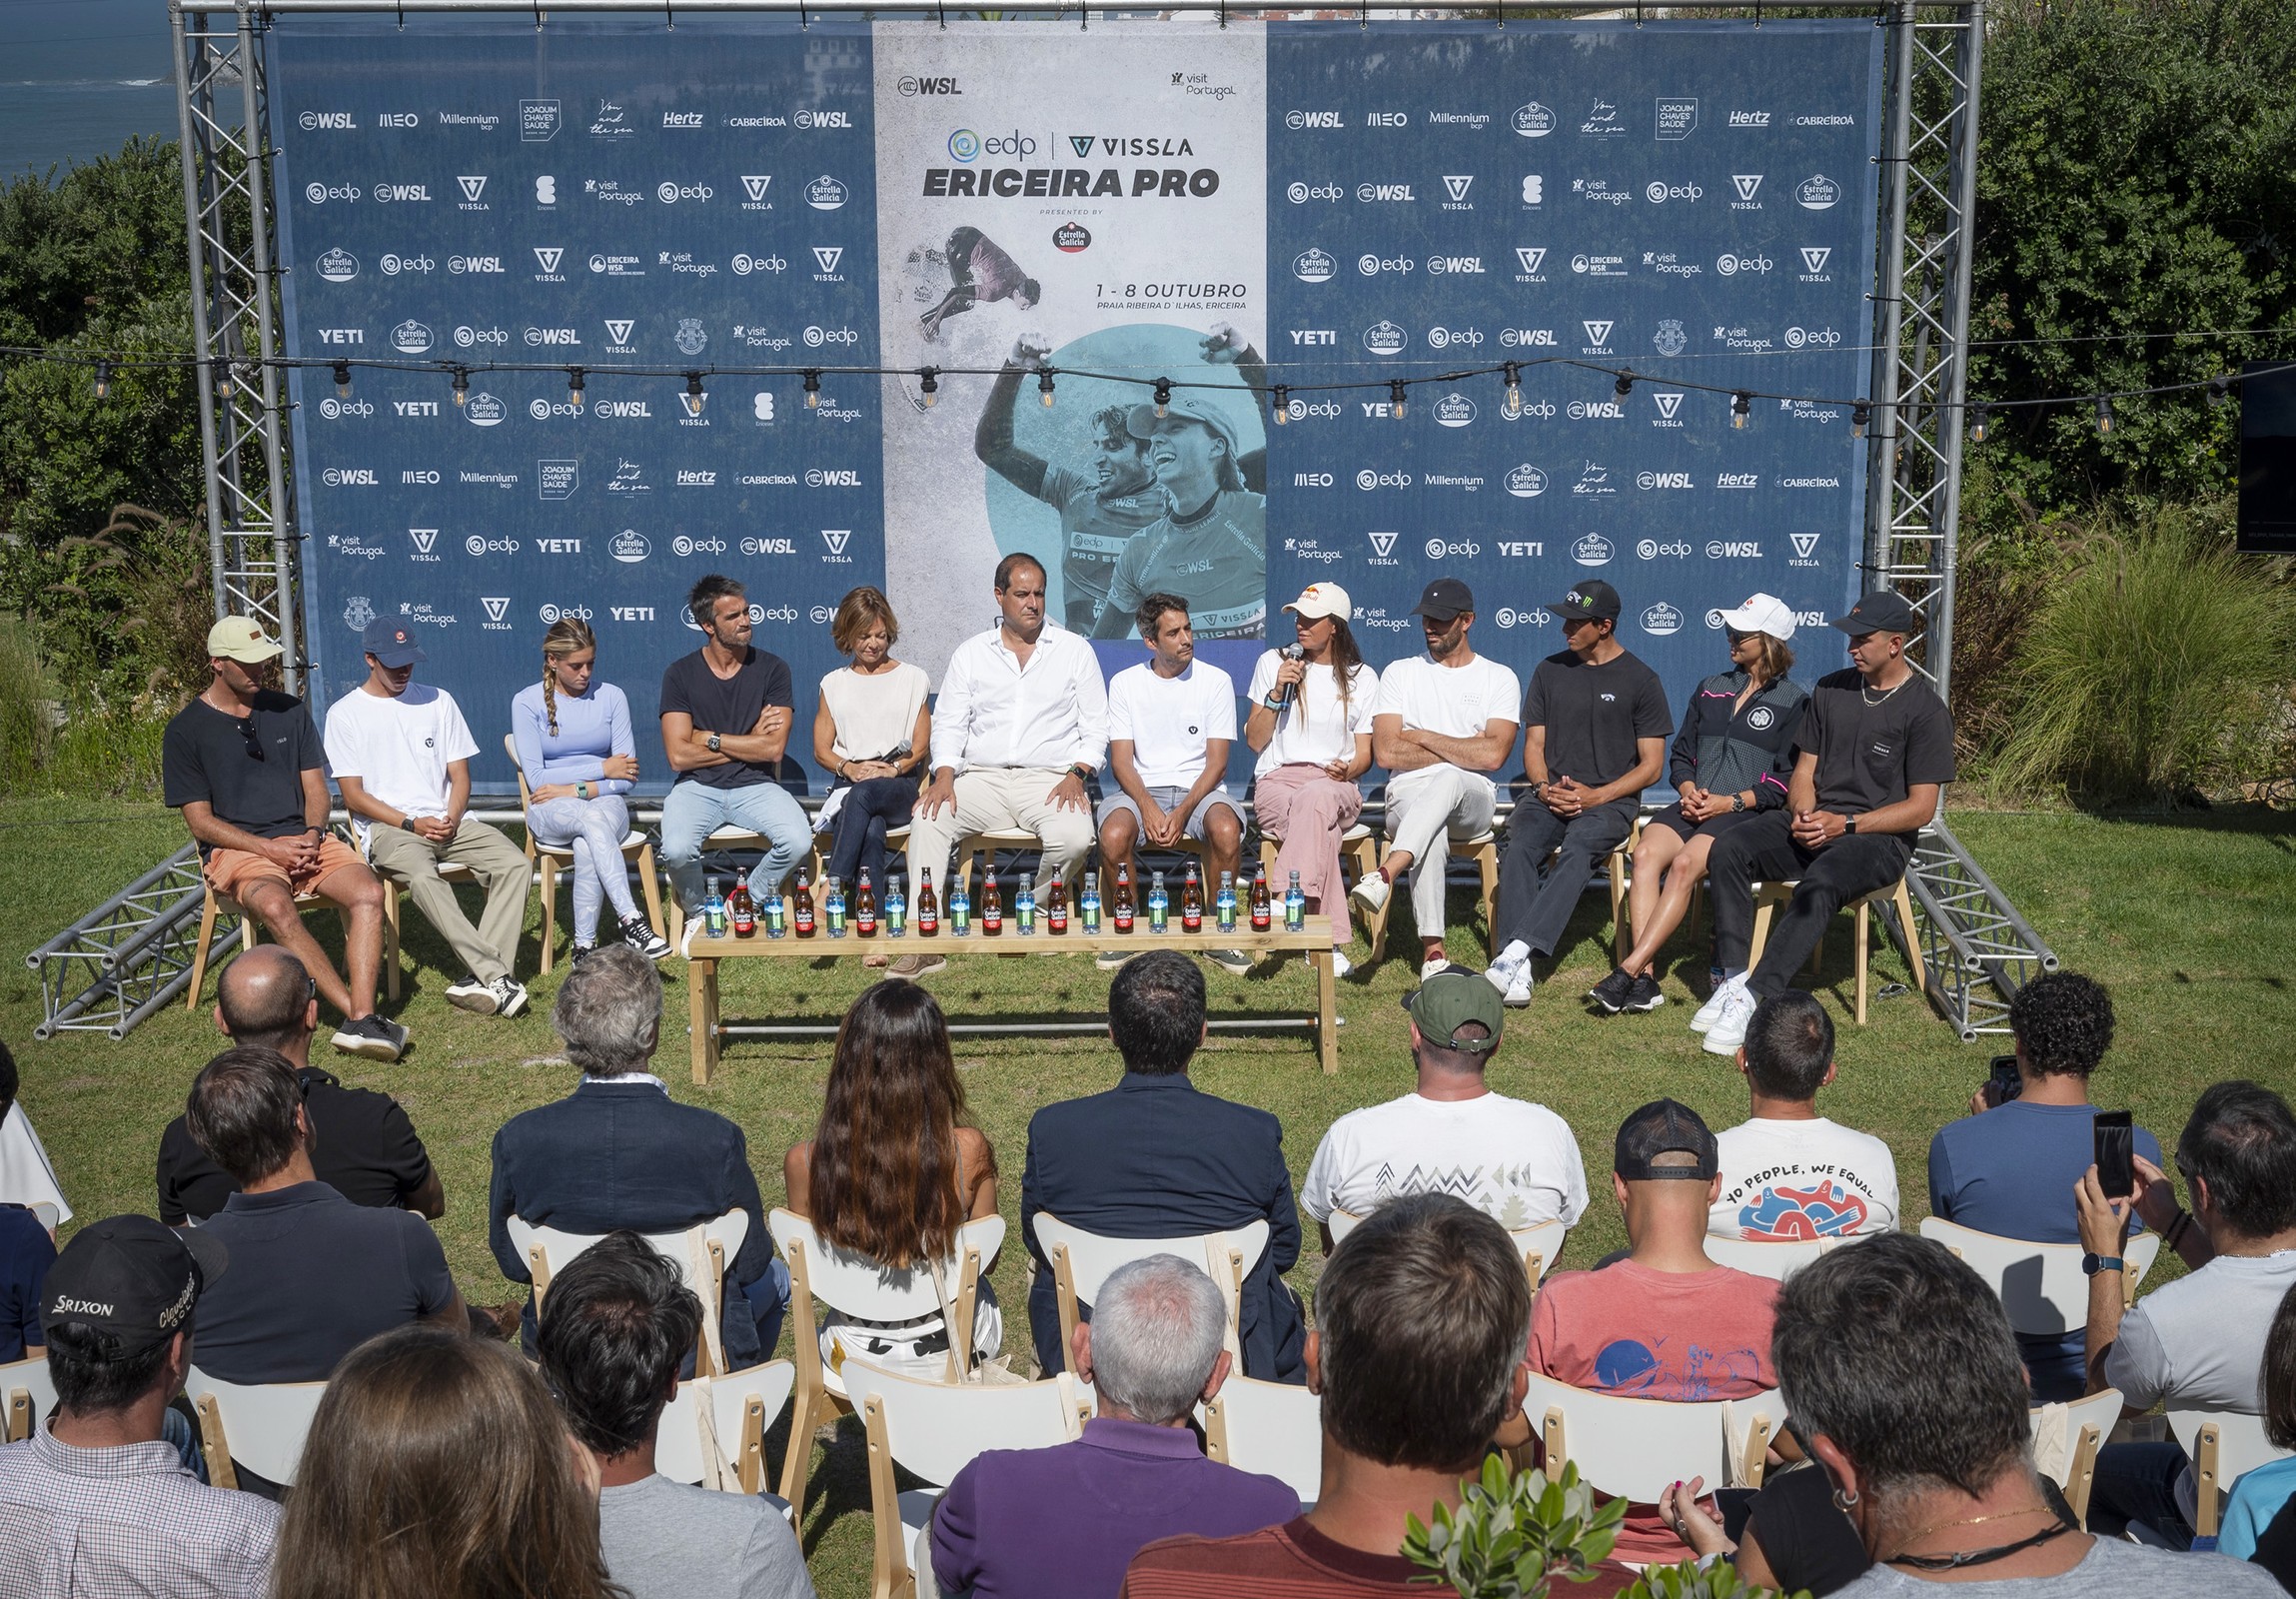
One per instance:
(1309, 266)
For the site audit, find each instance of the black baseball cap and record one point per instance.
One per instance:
(1665, 1127)
(1883, 611)
(1593, 600)
(1443, 599)
(131, 1277)
(1450, 1000)
(392, 642)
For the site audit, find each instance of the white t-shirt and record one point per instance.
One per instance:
(398, 748)
(1310, 730)
(875, 714)
(1456, 701)
(2198, 1342)
(1509, 1158)
(1785, 1181)
(1168, 718)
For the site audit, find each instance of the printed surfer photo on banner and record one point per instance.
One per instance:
(1117, 232)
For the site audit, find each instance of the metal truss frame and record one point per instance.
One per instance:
(128, 956)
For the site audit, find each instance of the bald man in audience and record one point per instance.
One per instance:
(364, 1147)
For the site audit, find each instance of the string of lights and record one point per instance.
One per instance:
(227, 373)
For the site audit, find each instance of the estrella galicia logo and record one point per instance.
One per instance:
(1816, 193)
(484, 411)
(1533, 120)
(1454, 410)
(1526, 482)
(1072, 237)
(411, 337)
(1662, 621)
(964, 145)
(825, 193)
(1384, 338)
(1309, 266)
(1592, 549)
(630, 546)
(339, 266)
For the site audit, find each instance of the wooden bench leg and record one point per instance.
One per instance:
(1327, 1010)
(1487, 859)
(390, 938)
(1862, 942)
(549, 886)
(701, 1011)
(200, 949)
(649, 878)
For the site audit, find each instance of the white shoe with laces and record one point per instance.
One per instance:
(1713, 1008)
(1369, 890)
(1729, 1029)
(1512, 977)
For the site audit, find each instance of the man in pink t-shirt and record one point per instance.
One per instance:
(1665, 1322)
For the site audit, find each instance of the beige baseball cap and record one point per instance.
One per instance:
(1323, 599)
(240, 639)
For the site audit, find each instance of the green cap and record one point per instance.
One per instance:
(1451, 1000)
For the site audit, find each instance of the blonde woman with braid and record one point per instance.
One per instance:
(575, 749)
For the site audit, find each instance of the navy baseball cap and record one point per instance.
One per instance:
(392, 642)
(1883, 611)
(131, 1277)
(1591, 601)
(1443, 599)
(1665, 1127)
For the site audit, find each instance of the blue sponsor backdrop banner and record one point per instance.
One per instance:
(1694, 200)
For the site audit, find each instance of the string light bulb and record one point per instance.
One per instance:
(1282, 401)
(693, 386)
(1395, 399)
(1163, 396)
(1860, 414)
(2219, 389)
(575, 378)
(1980, 424)
(223, 379)
(929, 385)
(1740, 404)
(1514, 407)
(1624, 386)
(1045, 386)
(103, 380)
(813, 389)
(462, 387)
(342, 379)
(2104, 414)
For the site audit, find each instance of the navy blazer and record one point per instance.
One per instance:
(1155, 1158)
(625, 1154)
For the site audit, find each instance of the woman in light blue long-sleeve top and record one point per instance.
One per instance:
(575, 749)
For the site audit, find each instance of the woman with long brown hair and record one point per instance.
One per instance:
(893, 1169)
(576, 748)
(437, 1468)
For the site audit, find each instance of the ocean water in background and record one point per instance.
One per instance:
(78, 77)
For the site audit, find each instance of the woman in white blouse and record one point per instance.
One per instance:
(872, 735)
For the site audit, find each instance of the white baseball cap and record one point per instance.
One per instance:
(1323, 599)
(1763, 613)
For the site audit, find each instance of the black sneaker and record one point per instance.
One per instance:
(641, 936)
(472, 995)
(509, 995)
(1645, 994)
(580, 951)
(1611, 993)
(373, 1038)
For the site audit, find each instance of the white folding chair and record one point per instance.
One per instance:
(932, 1430)
(712, 1431)
(1081, 1263)
(51, 1215)
(2040, 1285)
(27, 1397)
(699, 1253)
(1773, 1260)
(2225, 1445)
(864, 1289)
(262, 1426)
(1636, 1448)
(2066, 1438)
(1274, 1428)
(1537, 1246)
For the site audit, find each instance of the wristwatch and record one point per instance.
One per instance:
(1738, 801)
(713, 743)
(1539, 790)
(1848, 824)
(405, 823)
(2092, 1264)
(1079, 771)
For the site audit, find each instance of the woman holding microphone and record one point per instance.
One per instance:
(872, 735)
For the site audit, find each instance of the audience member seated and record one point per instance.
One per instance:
(2009, 1168)
(1514, 1160)
(1789, 1174)
(363, 1146)
(1795, 1536)
(2197, 1342)
(1418, 1355)
(1663, 1321)
(26, 1250)
(892, 1171)
(2276, 1547)
(26, 1176)
(437, 1468)
(1066, 1521)
(616, 1326)
(620, 1153)
(1902, 1379)
(1154, 1157)
(2263, 1493)
(98, 1500)
(314, 1275)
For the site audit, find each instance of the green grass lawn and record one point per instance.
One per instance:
(2185, 918)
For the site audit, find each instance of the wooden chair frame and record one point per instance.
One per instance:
(27, 1394)
(214, 905)
(1483, 849)
(1744, 1453)
(1358, 849)
(1768, 896)
(705, 1251)
(550, 860)
(2088, 1421)
(729, 1416)
(2224, 1447)
(1221, 1437)
(1234, 1253)
(290, 1401)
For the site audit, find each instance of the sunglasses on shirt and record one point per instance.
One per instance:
(246, 731)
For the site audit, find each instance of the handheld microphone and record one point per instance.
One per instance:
(1293, 652)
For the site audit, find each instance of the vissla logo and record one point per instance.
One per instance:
(828, 255)
(618, 330)
(1598, 332)
(473, 187)
(756, 185)
(1457, 186)
(1814, 257)
(547, 255)
(1383, 544)
(1668, 403)
(836, 539)
(1529, 257)
(1747, 184)
(425, 537)
(496, 606)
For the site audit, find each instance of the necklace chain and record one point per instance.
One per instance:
(1974, 1521)
(1865, 691)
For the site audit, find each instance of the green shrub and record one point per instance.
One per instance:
(2157, 669)
(27, 699)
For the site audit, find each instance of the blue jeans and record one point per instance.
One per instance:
(692, 812)
(177, 1432)
(2135, 1492)
(769, 1300)
(873, 806)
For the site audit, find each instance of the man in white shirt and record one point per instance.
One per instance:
(1443, 721)
(1789, 1175)
(401, 754)
(1021, 721)
(1171, 720)
(1514, 1160)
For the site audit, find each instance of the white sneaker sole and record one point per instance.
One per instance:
(1705, 1020)
(1721, 1046)
(478, 1001)
(1232, 961)
(353, 1043)
(1371, 897)
(1516, 999)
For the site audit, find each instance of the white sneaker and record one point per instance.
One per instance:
(510, 997)
(1371, 891)
(1712, 1008)
(1502, 971)
(1517, 991)
(472, 995)
(1428, 968)
(1729, 1029)
(1341, 965)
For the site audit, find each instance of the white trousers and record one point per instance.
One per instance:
(1426, 810)
(1001, 798)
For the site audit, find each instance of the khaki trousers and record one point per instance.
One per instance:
(491, 949)
(1001, 798)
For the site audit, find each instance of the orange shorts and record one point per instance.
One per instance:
(229, 871)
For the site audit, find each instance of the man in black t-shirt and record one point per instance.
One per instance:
(245, 766)
(365, 1147)
(1595, 727)
(1875, 753)
(725, 718)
